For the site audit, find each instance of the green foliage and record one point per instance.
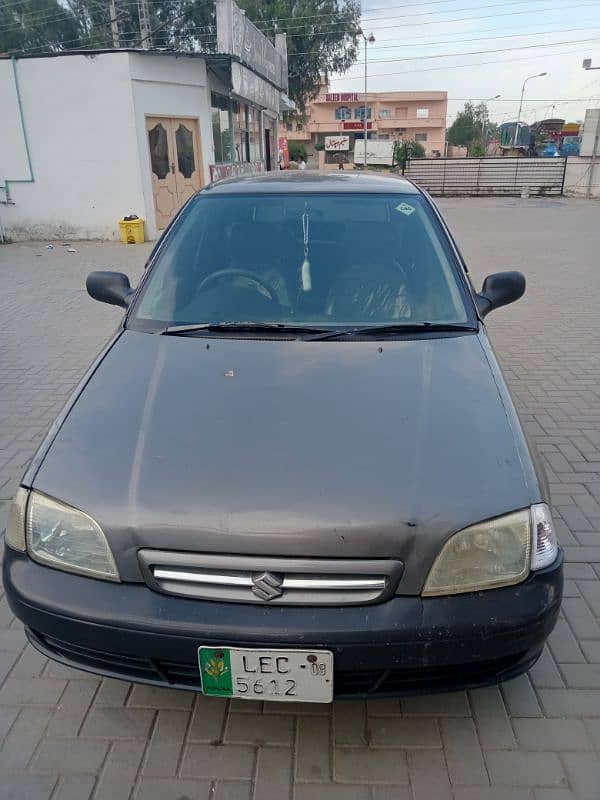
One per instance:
(321, 38)
(297, 150)
(477, 150)
(471, 125)
(321, 34)
(319, 146)
(416, 150)
(32, 25)
(405, 150)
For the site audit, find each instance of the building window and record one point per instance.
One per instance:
(254, 133)
(159, 151)
(385, 113)
(184, 140)
(289, 127)
(401, 112)
(422, 113)
(359, 113)
(299, 126)
(240, 132)
(343, 113)
(221, 125)
(383, 137)
(420, 137)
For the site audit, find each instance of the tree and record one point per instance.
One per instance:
(32, 25)
(471, 125)
(297, 150)
(405, 150)
(321, 34)
(321, 38)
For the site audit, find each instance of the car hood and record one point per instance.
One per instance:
(331, 449)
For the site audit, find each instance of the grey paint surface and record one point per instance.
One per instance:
(330, 449)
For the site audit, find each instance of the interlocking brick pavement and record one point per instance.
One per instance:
(68, 735)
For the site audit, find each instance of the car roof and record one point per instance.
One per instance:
(309, 181)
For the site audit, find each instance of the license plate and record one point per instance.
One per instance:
(282, 675)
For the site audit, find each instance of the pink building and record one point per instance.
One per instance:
(414, 116)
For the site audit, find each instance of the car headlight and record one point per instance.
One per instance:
(60, 536)
(498, 552)
(15, 524)
(545, 543)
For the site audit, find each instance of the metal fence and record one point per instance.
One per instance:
(488, 176)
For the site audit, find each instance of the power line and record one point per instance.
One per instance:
(476, 52)
(51, 15)
(483, 52)
(365, 18)
(446, 67)
(314, 33)
(460, 19)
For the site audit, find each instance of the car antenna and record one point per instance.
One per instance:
(306, 277)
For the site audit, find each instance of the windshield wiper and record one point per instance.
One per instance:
(251, 327)
(393, 329)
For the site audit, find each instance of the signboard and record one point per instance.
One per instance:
(341, 97)
(356, 126)
(220, 171)
(337, 143)
(378, 152)
(239, 37)
(252, 87)
(422, 113)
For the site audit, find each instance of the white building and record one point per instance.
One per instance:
(90, 137)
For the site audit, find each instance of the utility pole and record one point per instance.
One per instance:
(114, 25)
(588, 193)
(145, 30)
(367, 40)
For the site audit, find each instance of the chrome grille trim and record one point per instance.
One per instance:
(288, 583)
(273, 581)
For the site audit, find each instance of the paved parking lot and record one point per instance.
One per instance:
(68, 735)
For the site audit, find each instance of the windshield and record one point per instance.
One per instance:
(320, 260)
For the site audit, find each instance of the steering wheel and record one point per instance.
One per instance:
(243, 273)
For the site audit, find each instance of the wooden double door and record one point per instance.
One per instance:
(175, 163)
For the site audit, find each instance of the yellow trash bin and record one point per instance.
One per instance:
(132, 231)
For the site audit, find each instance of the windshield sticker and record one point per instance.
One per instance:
(404, 208)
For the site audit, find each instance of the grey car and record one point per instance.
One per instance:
(295, 472)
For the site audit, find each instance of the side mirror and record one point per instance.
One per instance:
(109, 287)
(500, 289)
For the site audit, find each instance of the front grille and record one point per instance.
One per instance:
(347, 683)
(278, 581)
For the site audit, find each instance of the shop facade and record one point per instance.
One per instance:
(155, 127)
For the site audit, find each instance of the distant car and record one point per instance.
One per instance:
(296, 471)
(550, 150)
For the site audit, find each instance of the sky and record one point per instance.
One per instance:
(429, 45)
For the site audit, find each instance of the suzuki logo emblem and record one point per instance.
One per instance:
(267, 585)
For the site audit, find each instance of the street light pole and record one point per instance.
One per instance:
(367, 40)
(539, 75)
(484, 120)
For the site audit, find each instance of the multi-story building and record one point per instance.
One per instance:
(406, 116)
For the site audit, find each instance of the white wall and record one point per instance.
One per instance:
(578, 174)
(79, 117)
(169, 86)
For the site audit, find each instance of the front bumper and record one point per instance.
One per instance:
(404, 645)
